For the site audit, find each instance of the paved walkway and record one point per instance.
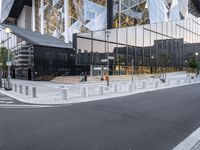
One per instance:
(52, 93)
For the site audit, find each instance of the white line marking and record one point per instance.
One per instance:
(22, 106)
(190, 141)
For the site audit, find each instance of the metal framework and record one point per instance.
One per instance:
(87, 15)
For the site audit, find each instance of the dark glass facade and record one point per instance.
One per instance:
(50, 62)
(153, 47)
(32, 62)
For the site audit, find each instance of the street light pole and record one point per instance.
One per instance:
(1, 72)
(108, 54)
(8, 87)
(108, 64)
(197, 54)
(132, 61)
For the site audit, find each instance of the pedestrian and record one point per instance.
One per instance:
(85, 77)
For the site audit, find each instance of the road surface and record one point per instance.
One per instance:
(156, 120)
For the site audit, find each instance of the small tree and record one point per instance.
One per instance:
(3, 56)
(3, 60)
(193, 63)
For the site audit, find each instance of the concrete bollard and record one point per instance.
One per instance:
(134, 85)
(178, 81)
(20, 89)
(26, 90)
(168, 82)
(65, 93)
(11, 85)
(185, 80)
(106, 88)
(157, 84)
(84, 92)
(101, 90)
(120, 87)
(34, 92)
(15, 87)
(116, 88)
(189, 80)
(130, 87)
(144, 84)
(195, 79)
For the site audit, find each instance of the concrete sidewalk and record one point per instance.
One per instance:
(52, 93)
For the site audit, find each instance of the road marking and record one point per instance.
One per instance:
(6, 102)
(5, 98)
(190, 141)
(9, 102)
(6, 105)
(23, 106)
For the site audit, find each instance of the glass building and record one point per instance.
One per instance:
(151, 35)
(152, 48)
(63, 18)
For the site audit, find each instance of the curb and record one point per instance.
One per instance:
(82, 100)
(189, 142)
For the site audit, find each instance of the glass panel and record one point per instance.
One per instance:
(111, 35)
(84, 51)
(87, 34)
(122, 39)
(99, 52)
(147, 48)
(54, 18)
(100, 35)
(131, 36)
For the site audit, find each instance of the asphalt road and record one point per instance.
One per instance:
(156, 120)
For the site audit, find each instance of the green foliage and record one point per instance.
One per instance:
(193, 63)
(3, 56)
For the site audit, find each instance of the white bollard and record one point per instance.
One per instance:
(101, 90)
(84, 92)
(157, 84)
(106, 88)
(15, 87)
(130, 87)
(134, 85)
(11, 85)
(168, 82)
(189, 80)
(185, 80)
(20, 89)
(116, 88)
(178, 81)
(34, 92)
(26, 90)
(144, 84)
(65, 93)
(120, 86)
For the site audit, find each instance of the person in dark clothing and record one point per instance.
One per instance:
(85, 75)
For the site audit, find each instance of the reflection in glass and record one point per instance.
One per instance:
(154, 48)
